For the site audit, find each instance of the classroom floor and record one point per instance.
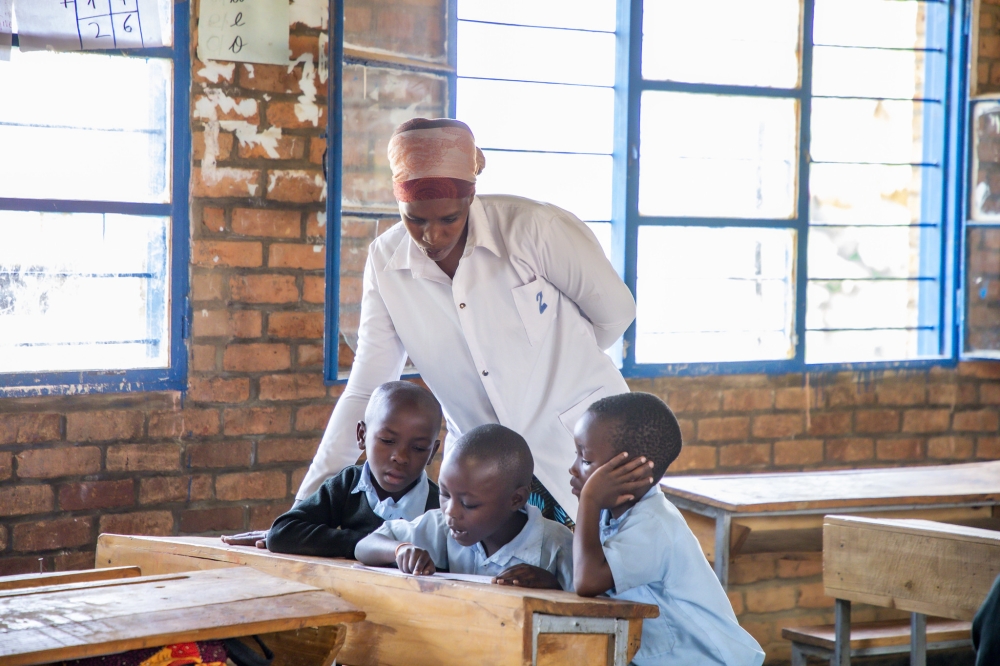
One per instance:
(941, 658)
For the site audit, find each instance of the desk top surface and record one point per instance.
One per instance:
(75, 620)
(841, 489)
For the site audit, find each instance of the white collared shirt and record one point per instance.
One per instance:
(516, 338)
(655, 559)
(541, 543)
(409, 506)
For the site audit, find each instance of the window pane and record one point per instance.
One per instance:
(83, 292)
(860, 346)
(870, 194)
(872, 73)
(580, 14)
(840, 304)
(533, 116)
(865, 252)
(536, 54)
(714, 156)
(725, 294)
(982, 288)
(579, 183)
(861, 130)
(985, 189)
(727, 41)
(105, 121)
(603, 232)
(886, 23)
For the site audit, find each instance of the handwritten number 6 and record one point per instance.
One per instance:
(125, 25)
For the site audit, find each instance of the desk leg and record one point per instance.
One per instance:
(918, 639)
(842, 634)
(723, 528)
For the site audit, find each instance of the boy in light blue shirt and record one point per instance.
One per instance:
(631, 543)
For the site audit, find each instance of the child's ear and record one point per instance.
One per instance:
(361, 435)
(519, 498)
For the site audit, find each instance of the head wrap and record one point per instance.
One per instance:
(434, 159)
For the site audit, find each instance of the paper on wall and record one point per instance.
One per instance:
(68, 25)
(244, 31)
(6, 27)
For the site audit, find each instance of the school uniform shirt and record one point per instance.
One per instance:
(332, 520)
(541, 542)
(655, 559)
(516, 338)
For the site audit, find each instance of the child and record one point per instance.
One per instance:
(484, 525)
(399, 436)
(631, 543)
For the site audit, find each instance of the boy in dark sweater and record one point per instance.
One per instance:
(399, 436)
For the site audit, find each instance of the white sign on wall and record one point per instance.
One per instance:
(244, 31)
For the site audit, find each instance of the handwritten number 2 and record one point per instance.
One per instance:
(541, 306)
(97, 25)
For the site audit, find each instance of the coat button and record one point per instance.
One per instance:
(486, 373)
(461, 305)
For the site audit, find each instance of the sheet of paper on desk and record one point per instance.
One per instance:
(6, 27)
(467, 578)
(244, 31)
(64, 25)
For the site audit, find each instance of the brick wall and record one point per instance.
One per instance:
(987, 57)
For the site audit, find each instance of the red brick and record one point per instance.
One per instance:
(983, 420)
(313, 417)
(240, 109)
(257, 357)
(20, 428)
(251, 485)
(258, 420)
(97, 495)
(980, 369)
(203, 358)
(262, 515)
(227, 253)
(286, 450)
(876, 420)
(264, 222)
(219, 454)
(296, 325)
(314, 289)
(64, 461)
(143, 458)
(217, 389)
(353, 259)
(950, 448)
(725, 428)
(989, 394)
(297, 477)
(901, 394)
(214, 219)
(53, 534)
(798, 452)
(151, 523)
(104, 426)
(6, 465)
(736, 601)
(899, 449)
(310, 356)
(207, 286)
(812, 595)
(777, 425)
(357, 227)
(317, 149)
(694, 458)
(849, 450)
(830, 423)
(282, 114)
(988, 448)
(926, 420)
(285, 147)
(747, 400)
(316, 225)
(22, 500)
(264, 288)
(751, 568)
(351, 290)
(695, 401)
(792, 398)
(187, 423)
(270, 78)
(220, 519)
(225, 143)
(296, 186)
(745, 455)
(73, 561)
(295, 255)
(159, 489)
(847, 396)
(953, 394)
(291, 387)
(800, 565)
(226, 323)
(770, 599)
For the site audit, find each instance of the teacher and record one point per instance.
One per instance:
(503, 304)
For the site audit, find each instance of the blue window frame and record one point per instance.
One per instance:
(94, 265)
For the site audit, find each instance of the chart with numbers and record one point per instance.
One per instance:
(107, 24)
(73, 25)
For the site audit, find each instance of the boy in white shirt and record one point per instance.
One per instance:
(484, 525)
(631, 543)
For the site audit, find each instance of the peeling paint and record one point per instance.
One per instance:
(247, 134)
(306, 109)
(312, 13)
(249, 70)
(321, 218)
(207, 109)
(213, 71)
(324, 60)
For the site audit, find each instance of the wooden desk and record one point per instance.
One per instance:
(919, 566)
(421, 620)
(784, 512)
(98, 617)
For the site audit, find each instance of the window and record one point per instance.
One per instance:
(93, 217)
(773, 178)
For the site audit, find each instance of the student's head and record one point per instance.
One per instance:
(638, 423)
(399, 434)
(485, 478)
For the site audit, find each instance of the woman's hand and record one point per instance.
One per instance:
(526, 575)
(617, 481)
(258, 539)
(413, 560)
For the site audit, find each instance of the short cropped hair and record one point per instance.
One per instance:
(400, 394)
(644, 426)
(494, 444)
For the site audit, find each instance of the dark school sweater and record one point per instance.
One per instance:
(332, 520)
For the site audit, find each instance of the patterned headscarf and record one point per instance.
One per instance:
(434, 159)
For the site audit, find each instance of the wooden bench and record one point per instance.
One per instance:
(874, 638)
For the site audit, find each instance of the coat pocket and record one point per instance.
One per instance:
(536, 303)
(573, 414)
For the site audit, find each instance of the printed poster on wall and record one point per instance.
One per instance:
(86, 25)
(244, 31)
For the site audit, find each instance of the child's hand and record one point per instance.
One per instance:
(526, 575)
(258, 539)
(413, 560)
(617, 481)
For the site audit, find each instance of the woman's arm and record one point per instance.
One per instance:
(380, 359)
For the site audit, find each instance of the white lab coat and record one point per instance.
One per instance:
(516, 338)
